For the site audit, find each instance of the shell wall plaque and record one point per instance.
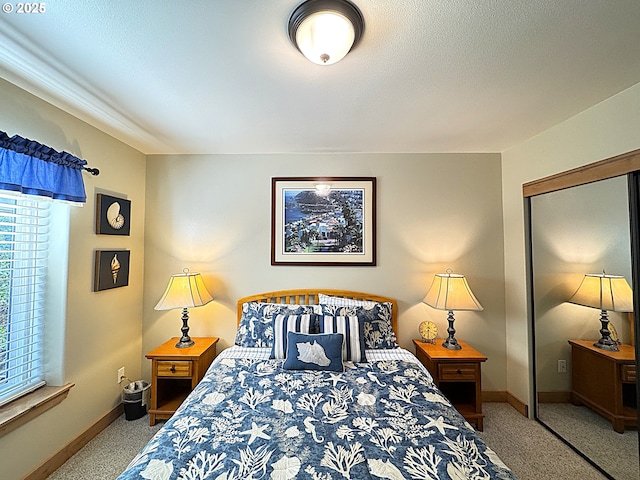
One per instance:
(111, 269)
(113, 215)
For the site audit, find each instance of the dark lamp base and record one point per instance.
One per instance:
(185, 340)
(185, 343)
(451, 344)
(606, 342)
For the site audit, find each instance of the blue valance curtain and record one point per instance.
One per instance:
(29, 167)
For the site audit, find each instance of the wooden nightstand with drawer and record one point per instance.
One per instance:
(605, 381)
(175, 372)
(457, 373)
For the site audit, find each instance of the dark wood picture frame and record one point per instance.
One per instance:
(113, 215)
(323, 221)
(111, 269)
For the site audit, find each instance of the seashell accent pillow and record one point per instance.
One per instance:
(256, 324)
(314, 352)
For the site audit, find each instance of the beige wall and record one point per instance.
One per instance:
(607, 129)
(211, 213)
(102, 329)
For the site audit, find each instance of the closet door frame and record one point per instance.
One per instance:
(624, 164)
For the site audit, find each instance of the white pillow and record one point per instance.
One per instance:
(344, 302)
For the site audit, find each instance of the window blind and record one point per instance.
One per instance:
(24, 244)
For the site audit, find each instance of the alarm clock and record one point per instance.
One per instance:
(428, 331)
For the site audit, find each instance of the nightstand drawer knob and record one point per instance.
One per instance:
(457, 372)
(174, 369)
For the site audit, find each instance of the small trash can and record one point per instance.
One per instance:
(135, 397)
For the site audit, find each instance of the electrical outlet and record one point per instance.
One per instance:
(121, 375)
(562, 366)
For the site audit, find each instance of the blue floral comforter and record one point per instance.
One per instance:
(251, 419)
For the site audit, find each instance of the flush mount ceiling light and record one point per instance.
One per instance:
(325, 30)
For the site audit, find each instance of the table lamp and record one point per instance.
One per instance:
(605, 292)
(185, 290)
(450, 291)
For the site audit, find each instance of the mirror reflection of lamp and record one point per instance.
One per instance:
(185, 290)
(450, 291)
(604, 292)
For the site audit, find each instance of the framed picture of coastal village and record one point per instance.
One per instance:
(323, 221)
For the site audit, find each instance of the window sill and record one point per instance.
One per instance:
(26, 408)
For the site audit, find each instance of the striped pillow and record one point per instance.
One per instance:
(282, 324)
(353, 330)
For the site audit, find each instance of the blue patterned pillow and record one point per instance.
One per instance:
(282, 325)
(256, 325)
(376, 316)
(352, 329)
(314, 352)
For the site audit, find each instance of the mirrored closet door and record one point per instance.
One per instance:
(586, 394)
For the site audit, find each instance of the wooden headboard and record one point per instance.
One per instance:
(309, 296)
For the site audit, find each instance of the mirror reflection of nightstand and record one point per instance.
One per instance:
(605, 381)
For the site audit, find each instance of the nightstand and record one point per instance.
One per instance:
(605, 381)
(175, 372)
(457, 373)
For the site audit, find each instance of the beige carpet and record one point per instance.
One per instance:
(593, 435)
(529, 449)
(109, 453)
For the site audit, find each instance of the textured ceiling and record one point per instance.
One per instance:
(221, 76)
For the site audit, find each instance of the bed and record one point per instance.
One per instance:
(316, 388)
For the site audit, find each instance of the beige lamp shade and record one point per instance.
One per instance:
(450, 291)
(185, 290)
(604, 292)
